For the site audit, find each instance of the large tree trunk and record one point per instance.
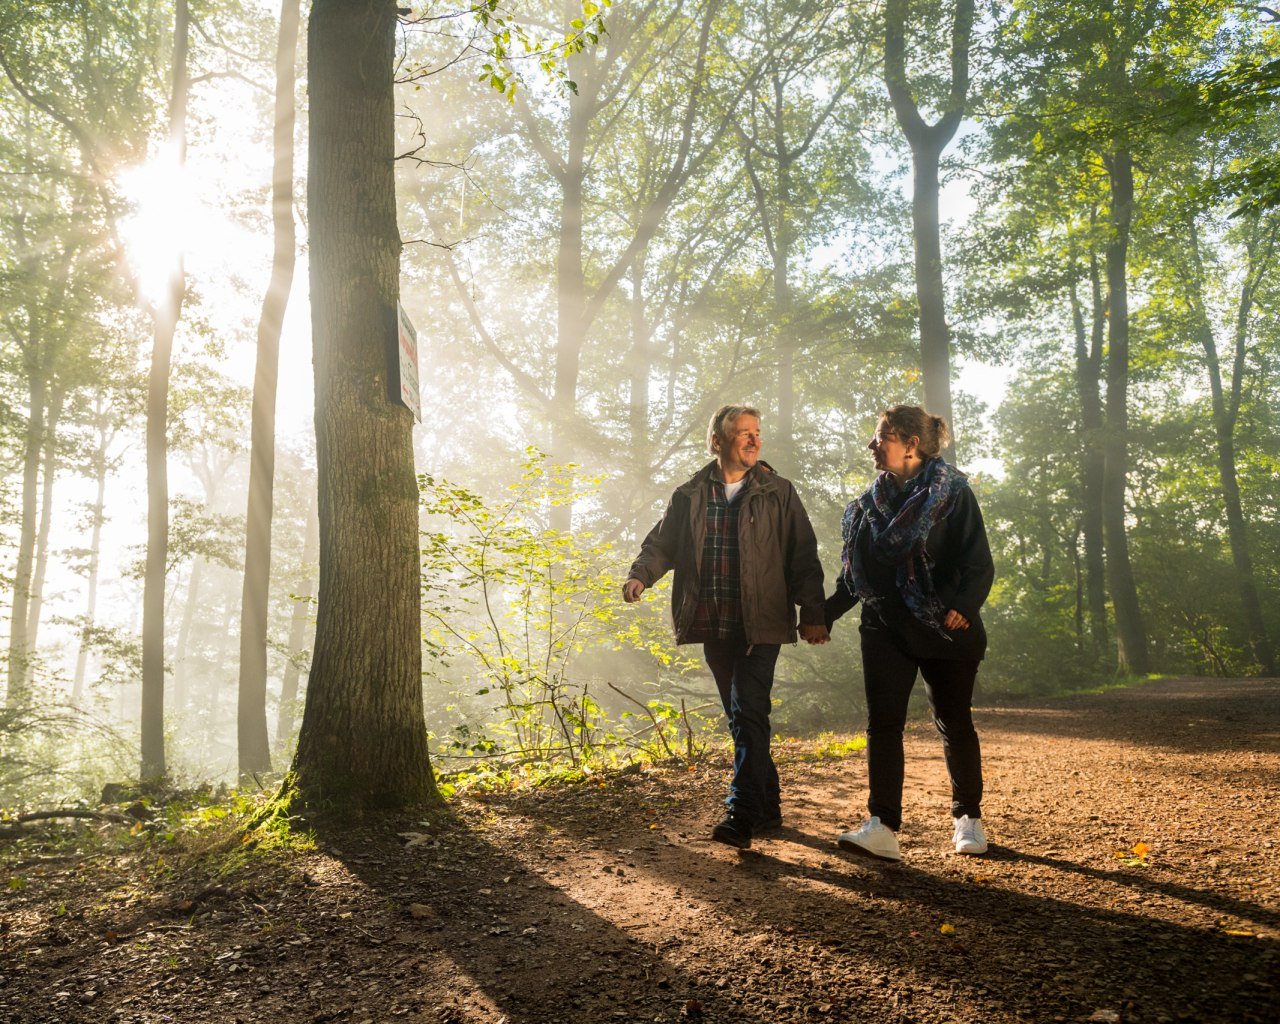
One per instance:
(254, 746)
(1131, 634)
(363, 738)
(297, 633)
(167, 314)
(1092, 460)
(16, 693)
(97, 519)
(927, 144)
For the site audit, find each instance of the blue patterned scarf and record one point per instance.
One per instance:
(898, 538)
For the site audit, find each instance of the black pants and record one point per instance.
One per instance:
(744, 677)
(890, 673)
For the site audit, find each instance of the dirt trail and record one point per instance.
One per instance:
(605, 902)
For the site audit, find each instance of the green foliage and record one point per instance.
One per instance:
(52, 752)
(506, 41)
(510, 607)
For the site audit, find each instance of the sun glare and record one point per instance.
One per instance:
(155, 230)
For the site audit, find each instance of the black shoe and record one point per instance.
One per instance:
(771, 824)
(733, 830)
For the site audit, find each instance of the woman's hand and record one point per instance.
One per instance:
(955, 620)
(815, 634)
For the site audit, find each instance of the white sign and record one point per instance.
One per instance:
(408, 348)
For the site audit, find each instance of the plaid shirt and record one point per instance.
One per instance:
(718, 615)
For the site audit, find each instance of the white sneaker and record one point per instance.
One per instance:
(969, 836)
(873, 839)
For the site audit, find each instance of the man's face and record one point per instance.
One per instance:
(742, 449)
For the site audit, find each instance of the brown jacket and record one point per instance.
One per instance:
(778, 551)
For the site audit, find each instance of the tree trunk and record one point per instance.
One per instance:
(182, 671)
(36, 601)
(1237, 530)
(95, 555)
(363, 739)
(571, 305)
(297, 633)
(17, 692)
(1131, 634)
(254, 745)
(784, 441)
(927, 144)
(935, 335)
(1092, 460)
(641, 359)
(1225, 413)
(167, 314)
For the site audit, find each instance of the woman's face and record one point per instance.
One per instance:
(891, 452)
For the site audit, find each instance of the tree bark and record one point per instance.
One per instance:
(253, 744)
(927, 144)
(1131, 635)
(363, 740)
(167, 314)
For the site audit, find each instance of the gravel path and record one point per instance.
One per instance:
(605, 901)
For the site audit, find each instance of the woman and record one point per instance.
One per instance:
(916, 556)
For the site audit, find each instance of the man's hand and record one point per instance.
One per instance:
(631, 590)
(955, 620)
(815, 634)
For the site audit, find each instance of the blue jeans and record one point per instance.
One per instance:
(744, 677)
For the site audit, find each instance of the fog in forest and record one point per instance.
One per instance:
(615, 220)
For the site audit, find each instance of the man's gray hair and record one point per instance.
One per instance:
(722, 422)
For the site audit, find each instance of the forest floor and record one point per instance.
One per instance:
(606, 901)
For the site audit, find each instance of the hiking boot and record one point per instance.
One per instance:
(768, 824)
(873, 839)
(733, 830)
(969, 836)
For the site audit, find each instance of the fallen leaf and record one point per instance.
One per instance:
(1105, 1017)
(1141, 849)
(1237, 933)
(419, 911)
(948, 929)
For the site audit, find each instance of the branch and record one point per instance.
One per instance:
(73, 812)
(209, 76)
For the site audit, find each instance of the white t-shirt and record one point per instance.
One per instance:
(731, 490)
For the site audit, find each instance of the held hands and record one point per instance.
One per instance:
(631, 590)
(818, 634)
(955, 620)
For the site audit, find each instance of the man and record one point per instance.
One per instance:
(744, 556)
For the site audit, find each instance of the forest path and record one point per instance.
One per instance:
(606, 902)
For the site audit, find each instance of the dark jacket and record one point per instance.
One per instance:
(778, 554)
(962, 570)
